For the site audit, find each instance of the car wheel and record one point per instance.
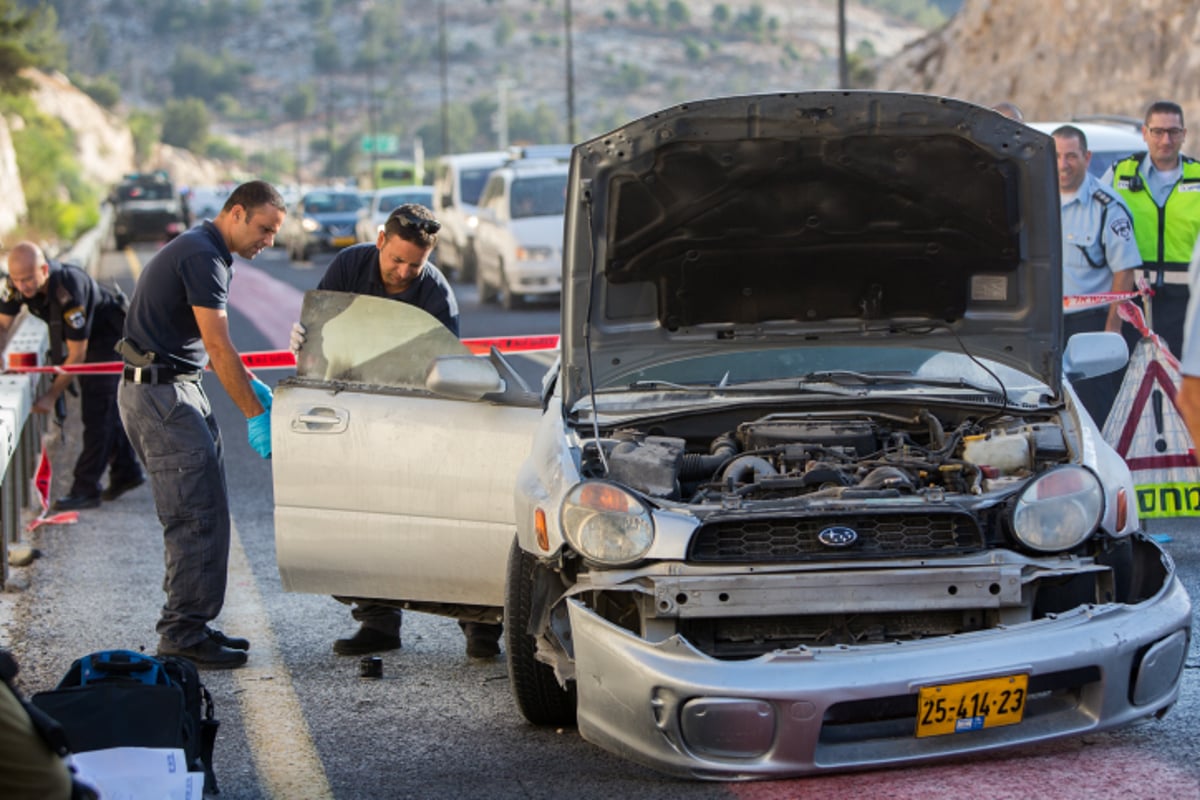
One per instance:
(468, 266)
(486, 293)
(540, 698)
(509, 299)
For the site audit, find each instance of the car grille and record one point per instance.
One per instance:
(783, 539)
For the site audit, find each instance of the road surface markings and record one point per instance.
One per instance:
(281, 745)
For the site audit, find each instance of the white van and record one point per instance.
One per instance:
(458, 183)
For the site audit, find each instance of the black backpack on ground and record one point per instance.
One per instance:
(120, 698)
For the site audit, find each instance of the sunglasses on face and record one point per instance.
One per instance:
(429, 226)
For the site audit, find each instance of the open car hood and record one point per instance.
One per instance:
(864, 218)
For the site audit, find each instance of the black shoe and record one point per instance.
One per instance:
(366, 640)
(483, 638)
(206, 655)
(482, 648)
(232, 642)
(76, 502)
(117, 488)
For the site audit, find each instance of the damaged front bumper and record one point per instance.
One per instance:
(806, 710)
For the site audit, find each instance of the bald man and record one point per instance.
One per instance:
(85, 321)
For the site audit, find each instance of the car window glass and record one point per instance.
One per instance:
(472, 182)
(782, 363)
(356, 338)
(539, 196)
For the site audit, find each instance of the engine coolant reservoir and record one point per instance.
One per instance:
(1006, 452)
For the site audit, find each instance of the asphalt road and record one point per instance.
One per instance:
(298, 721)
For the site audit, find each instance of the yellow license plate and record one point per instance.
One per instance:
(971, 706)
(343, 241)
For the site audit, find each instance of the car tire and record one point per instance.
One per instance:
(486, 293)
(508, 299)
(540, 698)
(468, 266)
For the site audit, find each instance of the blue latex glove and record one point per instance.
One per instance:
(258, 431)
(262, 392)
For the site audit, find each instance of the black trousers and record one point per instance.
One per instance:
(104, 441)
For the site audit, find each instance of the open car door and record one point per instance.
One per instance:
(383, 488)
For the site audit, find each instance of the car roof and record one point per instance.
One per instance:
(1102, 136)
(476, 159)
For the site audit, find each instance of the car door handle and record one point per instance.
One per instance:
(321, 419)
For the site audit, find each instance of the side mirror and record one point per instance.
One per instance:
(463, 378)
(1094, 353)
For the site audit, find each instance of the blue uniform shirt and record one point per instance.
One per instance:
(1097, 238)
(356, 270)
(193, 269)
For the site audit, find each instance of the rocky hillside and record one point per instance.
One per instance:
(1058, 60)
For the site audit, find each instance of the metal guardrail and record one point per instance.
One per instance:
(20, 431)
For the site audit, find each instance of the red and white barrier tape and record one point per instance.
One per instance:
(283, 359)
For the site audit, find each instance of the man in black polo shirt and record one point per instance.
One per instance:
(85, 321)
(397, 267)
(177, 323)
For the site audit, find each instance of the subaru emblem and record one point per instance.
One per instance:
(838, 536)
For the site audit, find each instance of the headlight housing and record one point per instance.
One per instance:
(606, 523)
(1058, 509)
(309, 224)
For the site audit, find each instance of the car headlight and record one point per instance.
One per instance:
(1059, 509)
(606, 523)
(309, 224)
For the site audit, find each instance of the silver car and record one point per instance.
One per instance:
(805, 489)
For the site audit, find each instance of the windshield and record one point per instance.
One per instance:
(543, 196)
(892, 367)
(388, 202)
(328, 203)
(473, 181)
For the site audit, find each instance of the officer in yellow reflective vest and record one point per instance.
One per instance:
(1162, 189)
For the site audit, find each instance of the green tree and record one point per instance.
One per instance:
(678, 15)
(505, 28)
(327, 55)
(654, 13)
(15, 54)
(299, 104)
(721, 15)
(185, 124)
(144, 127)
(103, 89)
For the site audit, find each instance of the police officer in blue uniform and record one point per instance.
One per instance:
(176, 326)
(397, 267)
(85, 321)
(1100, 254)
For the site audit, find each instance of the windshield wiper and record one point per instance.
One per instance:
(845, 377)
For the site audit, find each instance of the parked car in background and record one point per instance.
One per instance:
(518, 242)
(205, 202)
(380, 204)
(146, 208)
(1109, 140)
(458, 182)
(323, 219)
(808, 488)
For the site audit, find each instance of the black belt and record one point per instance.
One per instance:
(154, 374)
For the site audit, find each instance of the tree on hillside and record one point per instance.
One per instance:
(14, 51)
(185, 124)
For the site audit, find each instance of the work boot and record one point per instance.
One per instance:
(483, 639)
(76, 502)
(205, 655)
(232, 642)
(116, 488)
(367, 640)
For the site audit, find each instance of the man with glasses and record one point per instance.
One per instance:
(397, 267)
(1162, 189)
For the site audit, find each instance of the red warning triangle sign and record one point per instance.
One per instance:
(1157, 390)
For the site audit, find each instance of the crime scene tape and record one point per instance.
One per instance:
(1073, 301)
(283, 359)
